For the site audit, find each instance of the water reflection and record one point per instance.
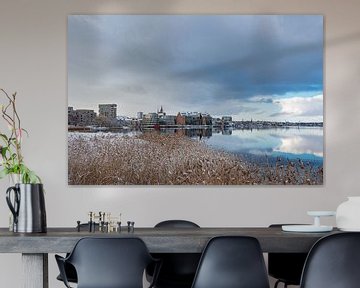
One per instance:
(291, 143)
(304, 143)
(193, 133)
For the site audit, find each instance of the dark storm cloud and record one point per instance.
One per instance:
(275, 65)
(193, 61)
(112, 44)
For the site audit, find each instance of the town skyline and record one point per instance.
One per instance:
(161, 111)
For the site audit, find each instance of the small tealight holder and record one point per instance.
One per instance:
(318, 214)
(316, 227)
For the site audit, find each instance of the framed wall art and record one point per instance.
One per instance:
(195, 100)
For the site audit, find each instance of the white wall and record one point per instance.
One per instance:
(33, 63)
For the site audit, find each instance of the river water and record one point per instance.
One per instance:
(291, 144)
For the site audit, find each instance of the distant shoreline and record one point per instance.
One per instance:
(182, 127)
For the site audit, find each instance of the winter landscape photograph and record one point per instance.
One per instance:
(195, 100)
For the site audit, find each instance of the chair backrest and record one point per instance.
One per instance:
(176, 224)
(232, 262)
(286, 266)
(178, 269)
(110, 262)
(333, 262)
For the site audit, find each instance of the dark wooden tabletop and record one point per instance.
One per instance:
(158, 240)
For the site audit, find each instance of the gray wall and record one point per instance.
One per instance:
(33, 63)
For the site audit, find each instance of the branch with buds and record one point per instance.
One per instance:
(12, 161)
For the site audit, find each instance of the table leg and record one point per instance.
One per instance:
(35, 270)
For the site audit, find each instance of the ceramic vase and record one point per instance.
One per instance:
(27, 204)
(348, 214)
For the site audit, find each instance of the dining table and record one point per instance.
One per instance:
(35, 247)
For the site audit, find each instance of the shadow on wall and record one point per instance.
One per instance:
(137, 7)
(345, 39)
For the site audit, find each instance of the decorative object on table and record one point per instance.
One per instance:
(231, 103)
(348, 214)
(131, 226)
(316, 227)
(101, 222)
(27, 204)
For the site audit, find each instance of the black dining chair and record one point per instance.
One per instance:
(333, 262)
(178, 269)
(232, 262)
(70, 271)
(286, 267)
(108, 263)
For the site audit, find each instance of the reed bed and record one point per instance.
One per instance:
(171, 159)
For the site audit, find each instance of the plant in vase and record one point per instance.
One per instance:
(26, 198)
(12, 161)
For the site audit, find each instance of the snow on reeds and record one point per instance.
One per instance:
(152, 158)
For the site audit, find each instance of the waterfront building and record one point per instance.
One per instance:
(71, 116)
(216, 122)
(107, 110)
(82, 117)
(226, 121)
(180, 119)
(168, 120)
(150, 120)
(165, 120)
(139, 115)
(193, 118)
(206, 119)
(161, 112)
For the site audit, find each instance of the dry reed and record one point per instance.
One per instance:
(153, 159)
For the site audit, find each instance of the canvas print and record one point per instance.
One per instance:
(195, 100)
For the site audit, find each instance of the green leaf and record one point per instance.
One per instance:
(4, 173)
(26, 132)
(15, 169)
(33, 178)
(3, 151)
(28, 176)
(4, 137)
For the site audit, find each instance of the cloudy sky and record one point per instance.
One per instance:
(261, 67)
